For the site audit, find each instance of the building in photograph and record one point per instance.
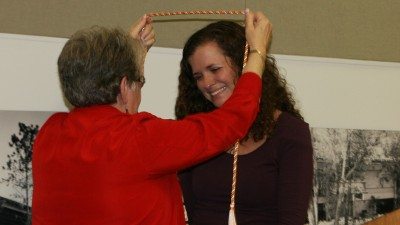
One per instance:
(375, 193)
(12, 213)
(372, 194)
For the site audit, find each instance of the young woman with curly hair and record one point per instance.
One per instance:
(274, 175)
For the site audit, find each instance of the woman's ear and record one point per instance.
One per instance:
(124, 89)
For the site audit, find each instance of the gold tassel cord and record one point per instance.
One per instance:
(231, 216)
(246, 54)
(196, 12)
(205, 12)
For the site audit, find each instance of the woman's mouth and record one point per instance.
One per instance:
(214, 93)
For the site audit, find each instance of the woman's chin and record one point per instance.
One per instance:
(218, 102)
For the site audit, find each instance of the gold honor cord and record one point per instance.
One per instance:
(196, 12)
(232, 217)
(205, 12)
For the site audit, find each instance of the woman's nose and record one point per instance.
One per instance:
(208, 80)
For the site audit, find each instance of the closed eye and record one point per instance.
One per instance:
(214, 69)
(197, 76)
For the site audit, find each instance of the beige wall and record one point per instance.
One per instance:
(334, 93)
(350, 29)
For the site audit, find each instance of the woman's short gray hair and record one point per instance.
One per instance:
(93, 63)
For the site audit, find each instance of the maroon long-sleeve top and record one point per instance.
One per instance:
(273, 182)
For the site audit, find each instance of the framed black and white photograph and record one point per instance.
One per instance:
(18, 130)
(356, 175)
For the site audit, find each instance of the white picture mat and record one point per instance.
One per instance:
(332, 93)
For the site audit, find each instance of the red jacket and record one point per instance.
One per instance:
(96, 165)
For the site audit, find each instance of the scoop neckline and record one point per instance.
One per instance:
(258, 149)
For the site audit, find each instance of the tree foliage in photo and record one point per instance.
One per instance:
(342, 158)
(19, 163)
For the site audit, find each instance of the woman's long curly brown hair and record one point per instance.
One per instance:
(230, 37)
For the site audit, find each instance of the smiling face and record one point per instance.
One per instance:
(214, 73)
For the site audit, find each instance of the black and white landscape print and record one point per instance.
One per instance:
(17, 132)
(357, 175)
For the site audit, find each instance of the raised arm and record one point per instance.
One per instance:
(174, 145)
(258, 36)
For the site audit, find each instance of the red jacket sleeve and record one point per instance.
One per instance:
(168, 146)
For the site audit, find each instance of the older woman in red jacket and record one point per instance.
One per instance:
(105, 163)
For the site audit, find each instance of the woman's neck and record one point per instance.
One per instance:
(248, 146)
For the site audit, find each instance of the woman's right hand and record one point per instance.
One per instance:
(258, 35)
(143, 31)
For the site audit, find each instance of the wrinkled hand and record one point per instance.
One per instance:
(258, 31)
(143, 31)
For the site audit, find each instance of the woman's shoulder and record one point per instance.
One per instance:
(55, 118)
(289, 126)
(293, 135)
(287, 120)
